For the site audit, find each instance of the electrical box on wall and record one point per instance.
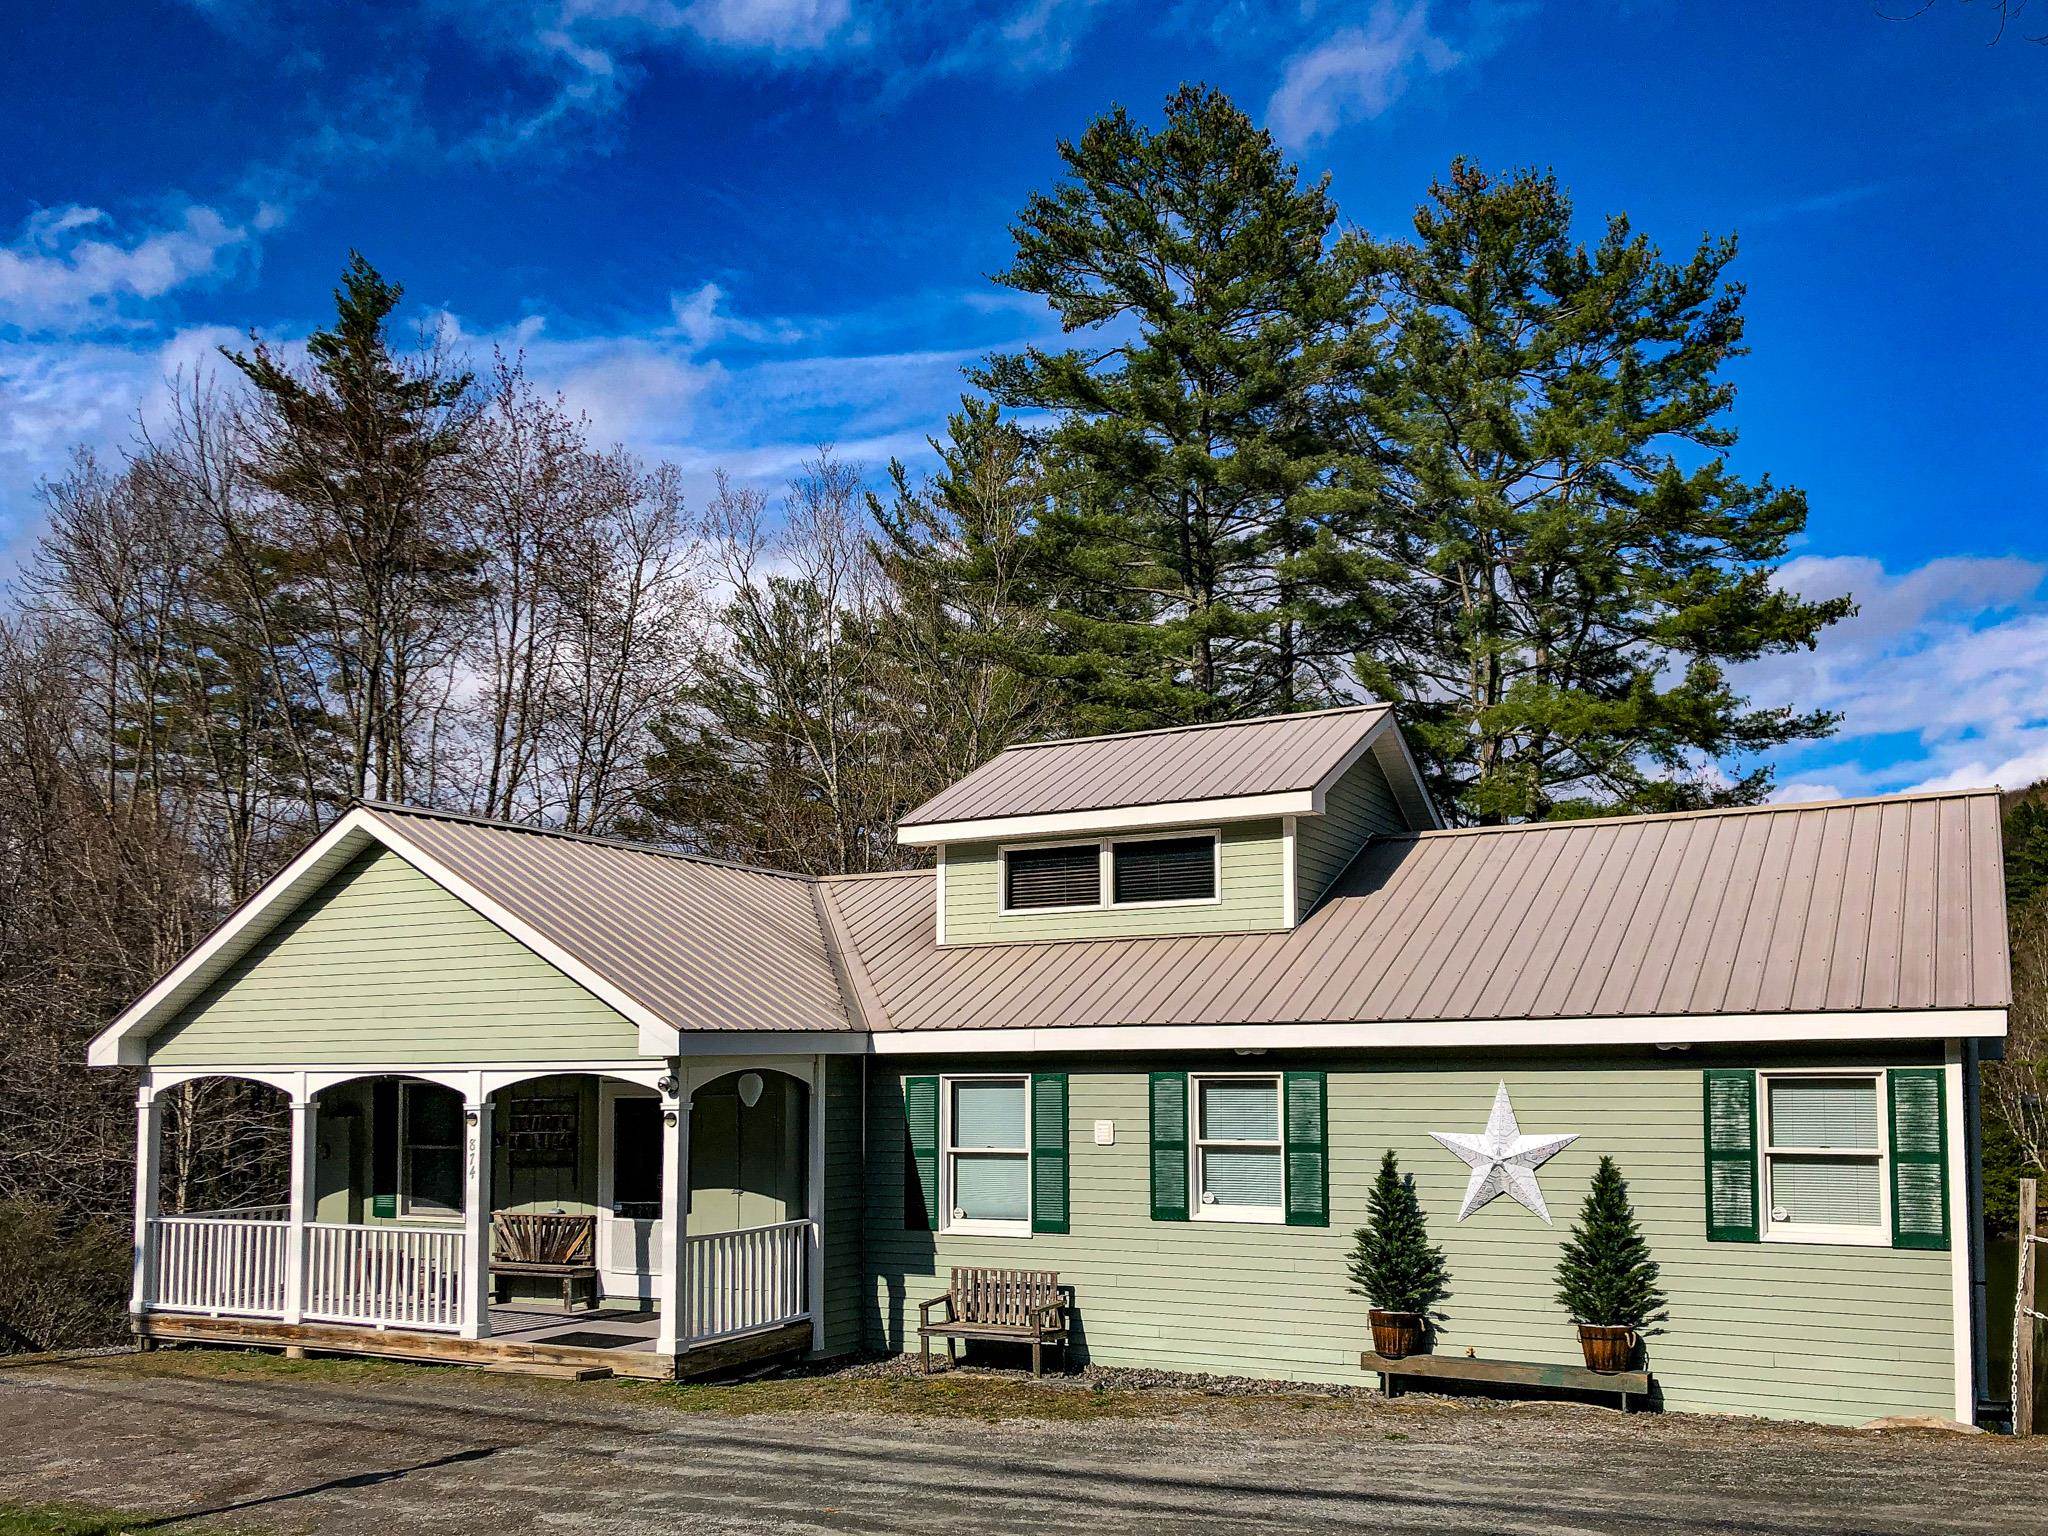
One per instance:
(1105, 1133)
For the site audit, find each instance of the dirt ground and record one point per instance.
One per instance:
(195, 1441)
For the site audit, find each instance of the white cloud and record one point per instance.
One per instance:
(702, 317)
(68, 269)
(1357, 72)
(1950, 657)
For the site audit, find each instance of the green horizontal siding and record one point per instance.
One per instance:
(1252, 891)
(845, 1192)
(1835, 1333)
(1359, 806)
(382, 965)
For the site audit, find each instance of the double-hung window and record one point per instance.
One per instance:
(988, 1154)
(430, 1150)
(1240, 1172)
(1824, 1157)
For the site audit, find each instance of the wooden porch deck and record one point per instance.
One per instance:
(610, 1341)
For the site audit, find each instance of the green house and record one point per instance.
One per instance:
(1150, 1020)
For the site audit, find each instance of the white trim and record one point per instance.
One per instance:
(640, 1284)
(814, 1103)
(1959, 1174)
(1115, 818)
(1290, 898)
(1256, 1215)
(969, 1226)
(1927, 1024)
(1877, 1234)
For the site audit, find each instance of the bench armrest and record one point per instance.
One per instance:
(924, 1310)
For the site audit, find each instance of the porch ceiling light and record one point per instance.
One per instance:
(750, 1089)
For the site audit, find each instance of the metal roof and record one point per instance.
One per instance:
(1270, 755)
(705, 945)
(1895, 903)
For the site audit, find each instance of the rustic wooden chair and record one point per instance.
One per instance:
(551, 1246)
(1021, 1306)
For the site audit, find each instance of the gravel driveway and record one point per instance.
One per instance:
(259, 1446)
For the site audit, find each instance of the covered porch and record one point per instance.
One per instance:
(694, 1187)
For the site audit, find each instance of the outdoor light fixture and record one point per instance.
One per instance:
(750, 1089)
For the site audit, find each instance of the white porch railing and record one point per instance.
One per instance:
(746, 1281)
(406, 1277)
(220, 1264)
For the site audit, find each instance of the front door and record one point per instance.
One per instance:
(629, 1192)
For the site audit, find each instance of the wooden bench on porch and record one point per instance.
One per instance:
(1506, 1373)
(1018, 1306)
(553, 1247)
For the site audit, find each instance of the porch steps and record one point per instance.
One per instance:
(553, 1372)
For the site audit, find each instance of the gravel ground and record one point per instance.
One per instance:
(251, 1443)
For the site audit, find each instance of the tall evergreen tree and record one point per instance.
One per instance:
(1195, 543)
(1605, 1275)
(1581, 564)
(1393, 1263)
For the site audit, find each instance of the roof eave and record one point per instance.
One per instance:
(1113, 818)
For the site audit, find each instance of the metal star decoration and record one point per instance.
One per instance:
(1502, 1159)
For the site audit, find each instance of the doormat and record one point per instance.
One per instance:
(589, 1338)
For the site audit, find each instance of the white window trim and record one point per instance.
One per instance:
(968, 1226)
(1105, 877)
(406, 1212)
(1769, 1231)
(1248, 1215)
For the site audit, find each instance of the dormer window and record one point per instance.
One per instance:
(1175, 869)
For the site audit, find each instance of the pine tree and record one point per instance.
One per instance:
(1605, 1275)
(1393, 1264)
(1582, 566)
(1196, 538)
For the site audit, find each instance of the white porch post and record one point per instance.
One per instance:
(149, 1124)
(303, 1198)
(476, 1217)
(672, 1289)
(815, 1184)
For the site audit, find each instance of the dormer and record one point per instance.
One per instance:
(1235, 827)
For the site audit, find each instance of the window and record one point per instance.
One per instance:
(1824, 1157)
(430, 1150)
(1068, 876)
(1122, 872)
(1239, 1174)
(1165, 869)
(988, 1154)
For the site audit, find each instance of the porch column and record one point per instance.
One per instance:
(303, 1200)
(476, 1218)
(672, 1289)
(149, 1125)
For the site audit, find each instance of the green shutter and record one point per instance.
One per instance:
(1730, 1113)
(384, 1149)
(921, 1154)
(1169, 1146)
(1919, 1131)
(1049, 1152)
(1308, 1149)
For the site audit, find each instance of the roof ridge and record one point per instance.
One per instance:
(1195, 725)
(393, 807)
(871, 874)
(1779, 807)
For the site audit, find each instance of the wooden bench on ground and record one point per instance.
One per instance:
(1015, 1306)
(1506, 1373)
(552, 1247)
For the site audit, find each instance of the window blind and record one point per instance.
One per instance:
(1240, 1110)
(989, 1114)
(1824, 1112)
(1165, 869)
(1052, 877)
(1824, 1191)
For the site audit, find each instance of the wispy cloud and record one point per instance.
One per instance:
(1357, 73)
(72, 267)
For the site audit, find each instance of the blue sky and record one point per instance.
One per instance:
(730, 230)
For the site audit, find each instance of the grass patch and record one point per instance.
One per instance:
(78, 1520)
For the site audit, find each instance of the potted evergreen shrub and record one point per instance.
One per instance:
(1606, 1279)
(1394, 1267)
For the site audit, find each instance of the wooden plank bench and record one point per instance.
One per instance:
(553, 1247)
(1019, 1306)
(1507, 1373)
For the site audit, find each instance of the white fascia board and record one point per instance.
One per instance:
(120, 1044)
(1115, 818)
(1694, 1029)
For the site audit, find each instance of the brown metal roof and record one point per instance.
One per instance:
(702, 944)
(1855, 905)
(1270, 755)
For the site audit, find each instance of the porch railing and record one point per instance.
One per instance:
(405, 1277)
(746, 1281)
(224, 1265)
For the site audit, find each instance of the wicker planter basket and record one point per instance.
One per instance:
(1607, 1349)
(1396, 1335)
